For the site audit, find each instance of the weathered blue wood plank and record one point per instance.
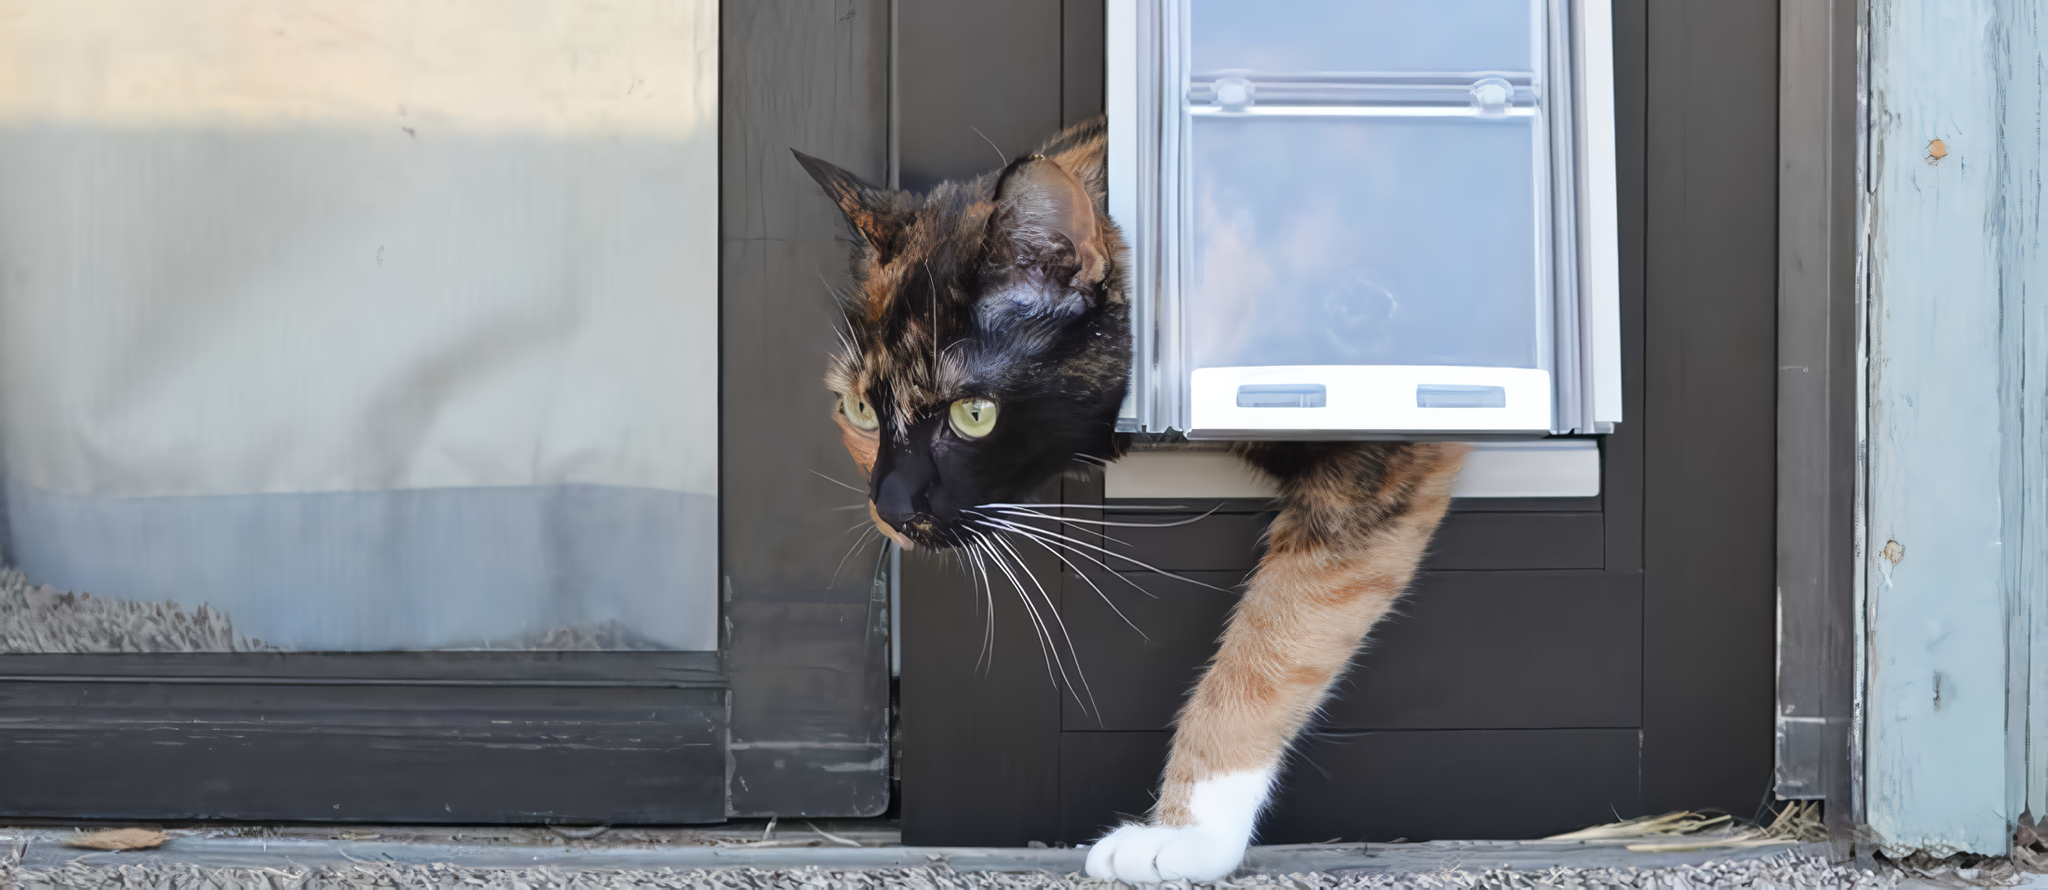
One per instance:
(2024, 304)
(1936, 769)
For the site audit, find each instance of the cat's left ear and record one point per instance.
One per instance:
(1045, 227)
(876, 213)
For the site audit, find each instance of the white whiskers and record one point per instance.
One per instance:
(1061, 540)
(1014, 511)
(985, 551)
(861, 491)
(865, 536)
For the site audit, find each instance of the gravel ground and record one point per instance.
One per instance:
(1779, 871)
(1774, 874)
(40, 619)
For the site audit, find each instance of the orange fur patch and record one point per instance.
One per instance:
(1318, 592)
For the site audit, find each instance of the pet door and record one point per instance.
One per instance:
(1359, 219)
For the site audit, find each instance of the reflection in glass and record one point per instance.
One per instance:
(307, 345)
(1364, 241)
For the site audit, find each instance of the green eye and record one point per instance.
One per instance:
(858, 412)
(973, 418)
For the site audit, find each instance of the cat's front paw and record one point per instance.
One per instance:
(1148, 854)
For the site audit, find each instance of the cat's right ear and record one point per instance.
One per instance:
(874, 212)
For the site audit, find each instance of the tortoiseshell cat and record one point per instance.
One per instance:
(990, 348)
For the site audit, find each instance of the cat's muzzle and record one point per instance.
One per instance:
(923, 529)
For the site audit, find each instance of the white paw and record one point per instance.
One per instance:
(1224, 809)
(1148, 854)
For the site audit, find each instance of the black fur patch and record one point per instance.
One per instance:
(957, 295)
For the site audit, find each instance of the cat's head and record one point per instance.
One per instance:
(987, 340)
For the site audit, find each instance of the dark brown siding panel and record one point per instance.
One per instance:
(1710, 415)
(1082, 58)
(977, 84)
(980, 725)
(1140, 675)
(1465, 541)
(1107, 778)
(1466, 650)
(1511, 783)
(1220, 542)
(226, 749)
(1502, 650)
(1378, 786)
(1517, 541)
(806, 632)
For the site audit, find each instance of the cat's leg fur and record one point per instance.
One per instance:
(1355, 520)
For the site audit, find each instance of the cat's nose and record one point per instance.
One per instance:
(902, 498)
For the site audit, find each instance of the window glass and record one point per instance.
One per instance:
(391, 326)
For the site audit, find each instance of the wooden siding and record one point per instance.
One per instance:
(1954, 234)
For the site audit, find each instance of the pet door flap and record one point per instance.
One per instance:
(1347, 192)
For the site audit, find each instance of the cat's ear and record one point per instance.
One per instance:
(1045, 230)
(876, 213)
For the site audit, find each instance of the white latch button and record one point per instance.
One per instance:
(1451, 395)
(1282, 395)
(1234, 92)
(1490, 96)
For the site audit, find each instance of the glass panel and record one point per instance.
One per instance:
(309, 344)
(1363, 241)
(1361, 35)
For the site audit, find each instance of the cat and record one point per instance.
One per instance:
(987, 348)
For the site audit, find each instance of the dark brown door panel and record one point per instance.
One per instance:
(1504, 699)
(1472, 650)
(1379, 786)
(389, 737)
(1465, 650)
(1220, 542)
(1517, 541)
(1467, 541)
(1140, 671)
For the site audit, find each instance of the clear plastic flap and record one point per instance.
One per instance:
(1364, 241)
(1362, 35)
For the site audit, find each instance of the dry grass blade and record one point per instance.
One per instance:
(1740, 840)
(117, 839)
(1686, 831)
(1799, 821)
(848, 842)
(1681, 822)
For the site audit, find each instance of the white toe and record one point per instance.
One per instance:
(1149, 854)
(1134, 857)
(1196, 855)
(1103, 853)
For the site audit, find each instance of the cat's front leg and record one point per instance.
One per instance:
(1353, 527)
(1278, 656)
